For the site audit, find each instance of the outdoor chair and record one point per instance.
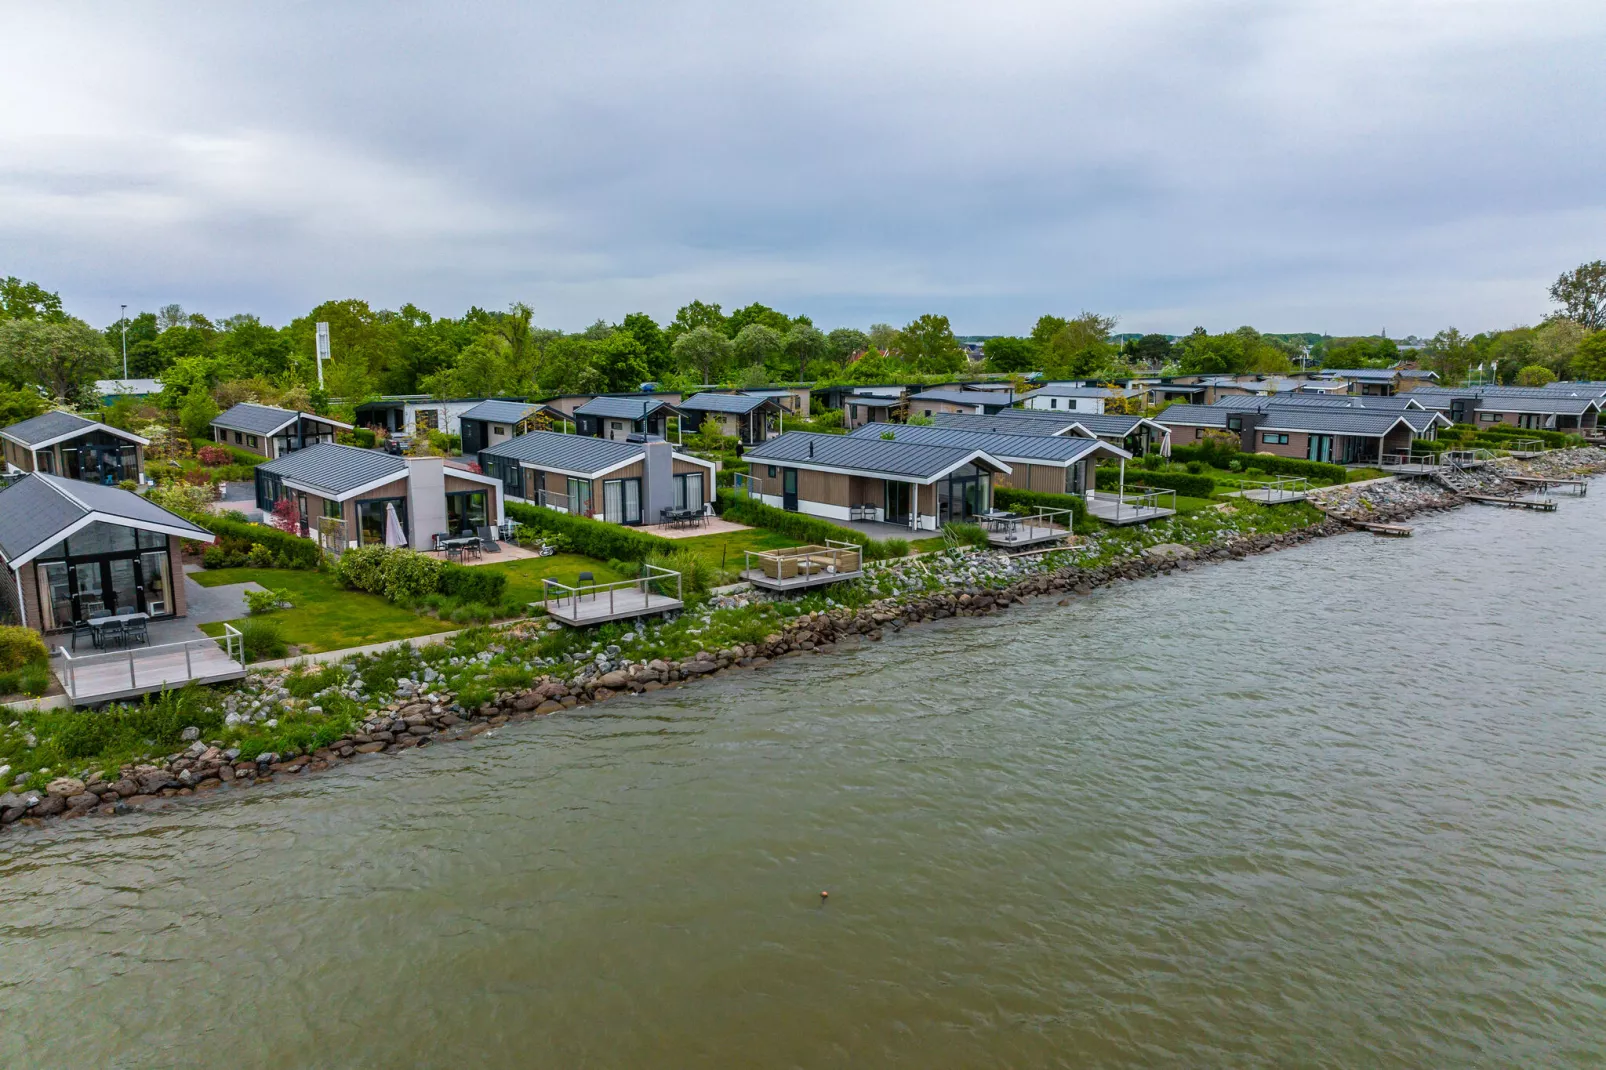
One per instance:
(472, 549)
(134, 632)
(586, 578)
(111, 634)
(435, 540)
(488, 540)
(82, 628)
(454, 553)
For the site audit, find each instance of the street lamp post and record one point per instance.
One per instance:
(125, 341)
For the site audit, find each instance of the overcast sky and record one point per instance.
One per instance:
(1344, 166)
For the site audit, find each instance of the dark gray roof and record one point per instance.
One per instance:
(1200, 415)
(1512, 399)
(622, 408)
(964, 397)
(1393, 403)
(1336, 421)
(736, 403)
(499, 411)
(1371, 375)
(48, 427)
(873, 401)
(1593, 390)
(1071, 390)
(336, 469)
(1043, 449)
(566, 453)
(258, 419)
(36, 509)
(870, 454)
(1043, 422)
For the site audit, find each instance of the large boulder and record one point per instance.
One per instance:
(64, 787)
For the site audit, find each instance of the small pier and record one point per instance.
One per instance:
(1579, 487)
(1009, 531)
(1542, 505)
(797, 567)
(92, 679)
(1276, 491)
(1138, 505)
(1397, 531)
(599, 603)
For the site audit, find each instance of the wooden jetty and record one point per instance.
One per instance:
(1398, 531)
(1580, 486)
(1543, 505)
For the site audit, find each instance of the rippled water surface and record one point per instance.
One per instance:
(1339, 806)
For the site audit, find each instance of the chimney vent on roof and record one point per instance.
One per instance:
(811, 449)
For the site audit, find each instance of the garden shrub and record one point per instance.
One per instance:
(962, 534)
(32, 679)
(259, 556)
(262, 639)
(1010, 497)
(298, 552)
(801, 526)
(1196, 467)
(472, 584)
(1194, 486)
(20, 646)
(894, 548)
(1218, 456)
(213, 456)
(267, 601)
(696, 574)
(362, 568)
(401, 576)
(593, 538)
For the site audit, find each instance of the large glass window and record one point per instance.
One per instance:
(962, 494)
(466, 511)
(621, 501)
(371, 519)
(580, 497)
(158, 583)
(688, 491)
(55, 595)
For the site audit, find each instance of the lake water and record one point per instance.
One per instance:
(1339, 806)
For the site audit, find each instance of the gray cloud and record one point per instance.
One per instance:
(1322, 165)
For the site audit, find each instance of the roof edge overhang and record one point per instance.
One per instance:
(95, 516)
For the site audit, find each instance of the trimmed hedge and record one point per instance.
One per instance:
(592, 538)
(473, 584)
(810, 529)
(1266, 462)
(1186, 483)
(295, 551)
(1009, 497)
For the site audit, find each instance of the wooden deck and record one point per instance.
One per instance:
(1272, 496)
(801, 581)
(1579, 486)
(1110, 511)
(600, 607)
(1027, 535)
(97, 678)
(1399, 531)
(1542, 505)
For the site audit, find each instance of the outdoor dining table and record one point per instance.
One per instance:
(97, 623)
(999, 519)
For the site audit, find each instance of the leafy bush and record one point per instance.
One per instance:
(158, 719)
(20, 646)
(399, 575)
(472, 584)
(212, 456)
(895, 548)
(593, 538)
(267, 601)
(1196, 467)
(362, 568)
(363, 437)
(1234, 461)
(297, 552)
(32, 679)
(259, 556)
(262, 639)
(696, 574)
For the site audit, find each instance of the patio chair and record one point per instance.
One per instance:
(134, 632)
(81, 628)
(586, 578)
(454, 553)
(435, 541)
(112, 634)
(488, 540)
(472, 549)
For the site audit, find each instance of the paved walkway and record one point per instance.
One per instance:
(710, 526)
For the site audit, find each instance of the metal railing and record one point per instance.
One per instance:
(553, 592)
(1043, 524)
(1468, 458)
(751, 485)
(835, 557)
(1526, 445)
(1410, 459)
(231, 639)
(1281, 489)
(1135, 501)
(552, 500)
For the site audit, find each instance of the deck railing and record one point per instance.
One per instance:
(1279, 489)
(1138, 498)
(653, 581)
(791, 562)
(552, 500)
(1468, 458)
(744, 483)
(1410, 459)
(1030, 527)
(1526, 445)
(231, 639)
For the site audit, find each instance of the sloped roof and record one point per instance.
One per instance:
(54, 426)
(1513, 399)
(334, 469)
(1038, 449)
(870, 454)
(963, 397)
(740, 404)
(580, 454)
(37, 510)
(1336, 421)
(1391, 403)
(622, 408)
(500, 411)
(1371, 375)
(1202, 415)
(264, 419)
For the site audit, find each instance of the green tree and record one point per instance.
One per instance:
(144, 358)
(1009, 354)
(1589, 360)
(703, 351)
(1203, 353)
(64, 356)
(28, 301)
(622, 362)
(844, 342)
(698, 314)
(1153, 350)
(805, 346)
(653, 342)
(1077, 347)
(1581, 293)
(778, 322)
(1449, 354)
(1535, 375)
(927, 345)
(1359, 352)
(883, 336)
(758, 344)
(197, 412)
(20, 404)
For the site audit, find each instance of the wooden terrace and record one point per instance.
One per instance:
(599, 603)
(1011, 531)
(1281, 491)
(1410, 463)
(1138, 505)
(91, 679)
(799, 567)
(1545, 483)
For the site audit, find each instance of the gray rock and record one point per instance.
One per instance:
(189, 734)
(64, 786)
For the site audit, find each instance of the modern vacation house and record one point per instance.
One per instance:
(619, 418)
(490, 423)
(1071, 397)
(1133, 434)
(959, 400)
(1336, 434)
(638, 481)
(65, 444)
(1051, 464)
(748, 418)
(865, 477)
(344, 496)
(271, 432)
(1533, 408)
(861, 409)
(73, 550)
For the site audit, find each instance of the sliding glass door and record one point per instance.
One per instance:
(621, 501)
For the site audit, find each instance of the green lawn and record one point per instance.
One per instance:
(725, 551)
(326, 616)
(524, 577)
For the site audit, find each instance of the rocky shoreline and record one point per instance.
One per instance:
(981, 583)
